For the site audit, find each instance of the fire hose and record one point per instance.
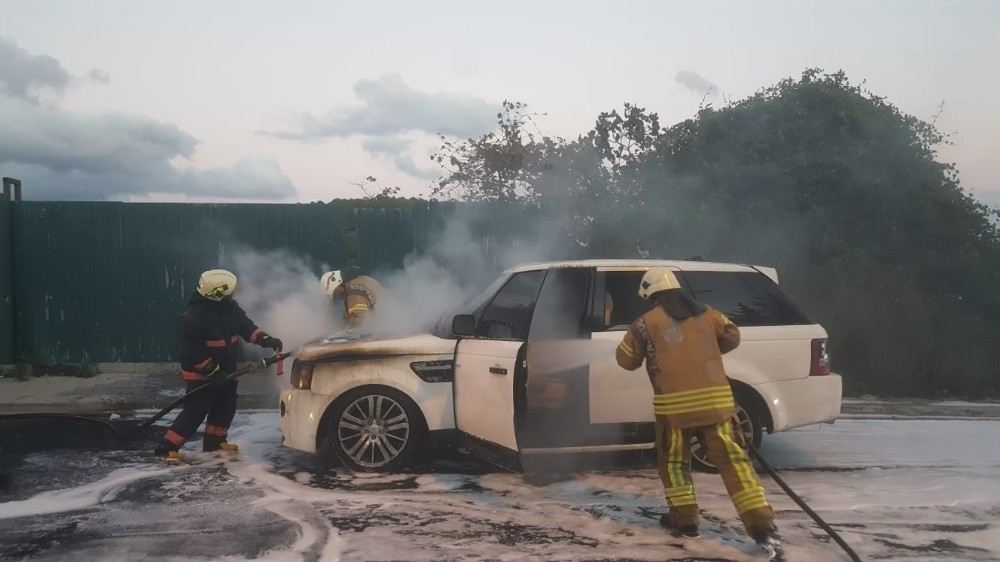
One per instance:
(103, 432)
(218, 381)
(802, 504)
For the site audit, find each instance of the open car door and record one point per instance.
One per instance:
(485, 381)
(489, 371)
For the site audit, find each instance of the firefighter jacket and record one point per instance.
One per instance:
(684, 362)
(209, 336)
(361, 295)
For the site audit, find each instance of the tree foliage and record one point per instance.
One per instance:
(830, 183)
(501, 165)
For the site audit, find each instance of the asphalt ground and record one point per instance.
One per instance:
(900, 489)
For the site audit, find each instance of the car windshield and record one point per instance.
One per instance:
(442, 328)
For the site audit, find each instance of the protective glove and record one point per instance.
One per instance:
(266, 340)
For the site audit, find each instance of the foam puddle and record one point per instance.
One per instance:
(80, 497)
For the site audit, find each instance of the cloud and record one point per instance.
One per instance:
(398, 151)
(64, 155)
(249, 178)
(99, 75)
(696, 83)
(390, 106)
(23, 75)
(115, 143)
(61, 154)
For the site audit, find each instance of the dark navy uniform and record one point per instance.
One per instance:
(209, 348)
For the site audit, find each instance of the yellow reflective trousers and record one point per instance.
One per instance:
(723, 444)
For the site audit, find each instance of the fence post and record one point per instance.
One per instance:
(8, 315)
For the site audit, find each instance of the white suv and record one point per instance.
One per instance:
(528, 367)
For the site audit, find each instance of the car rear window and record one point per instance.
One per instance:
(748, 298)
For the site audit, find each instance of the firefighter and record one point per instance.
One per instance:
(682, 342)
(210, 329)
(359, 293)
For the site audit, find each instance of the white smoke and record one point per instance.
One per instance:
(281, 293)
(456, 267)
(280, 290)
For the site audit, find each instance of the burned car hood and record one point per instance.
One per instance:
(354, 345)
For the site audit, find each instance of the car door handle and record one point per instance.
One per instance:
(498, 369)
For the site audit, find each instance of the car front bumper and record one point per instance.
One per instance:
(301, 412)
(798, 402)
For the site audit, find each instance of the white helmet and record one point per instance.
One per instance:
(657, 279)
(330, 281)
(217, 284)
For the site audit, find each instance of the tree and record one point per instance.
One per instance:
(499, 166)
(830, 183)
(373, 191)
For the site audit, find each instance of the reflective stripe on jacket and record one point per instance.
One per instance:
(210, 332)
(684, 362)
(361, 294)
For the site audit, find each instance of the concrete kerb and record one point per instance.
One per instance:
(119, 387)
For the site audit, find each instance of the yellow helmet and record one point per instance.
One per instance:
(216, 284)
(657, 279)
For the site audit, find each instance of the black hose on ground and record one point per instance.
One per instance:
(805, 507)
(260, 364)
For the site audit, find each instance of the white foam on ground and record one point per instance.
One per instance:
(289, 499)
(81, 497)
(895, 489)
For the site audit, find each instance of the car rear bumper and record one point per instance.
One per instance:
(301, 411)
(799, 402)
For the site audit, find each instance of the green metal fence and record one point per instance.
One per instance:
(6, 284)
(100, 282)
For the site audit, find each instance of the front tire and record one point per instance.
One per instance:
(749, 424)
(374, 429)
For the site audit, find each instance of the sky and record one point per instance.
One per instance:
(299, 101)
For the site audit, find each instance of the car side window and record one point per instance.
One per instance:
(561, 311)
(747, 298)
(622, 304)
(508, 316)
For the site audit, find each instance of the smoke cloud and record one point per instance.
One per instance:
(281, 293)
(280, 290)
(456, 266)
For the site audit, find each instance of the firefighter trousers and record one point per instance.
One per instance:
(217, 404)
(725, 451)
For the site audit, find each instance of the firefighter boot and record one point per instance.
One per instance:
(769, 542)
(212, 443)
(678, 527)
(169, 454)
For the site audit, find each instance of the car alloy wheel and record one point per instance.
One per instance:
(373, 431)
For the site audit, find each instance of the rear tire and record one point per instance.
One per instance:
(751, 426)
(374, 429)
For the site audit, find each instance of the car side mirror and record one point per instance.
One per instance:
(463, 325)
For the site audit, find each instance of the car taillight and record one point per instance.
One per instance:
(820, 364)
(302, 374)
(434, 371)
